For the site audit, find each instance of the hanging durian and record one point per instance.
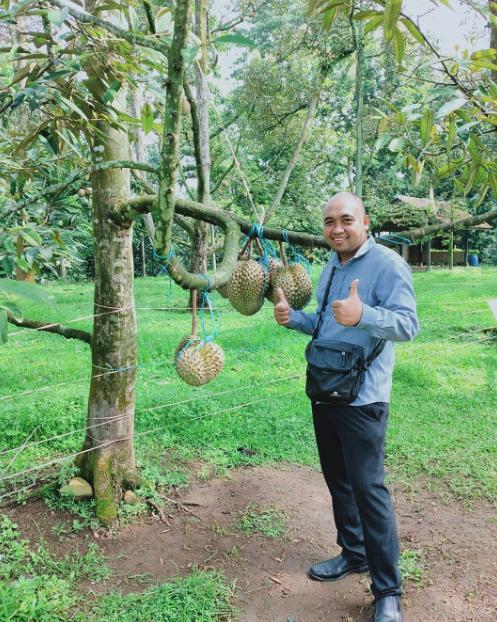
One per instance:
(294, 281)
(248, 283)
(196, 360)
(274, 266)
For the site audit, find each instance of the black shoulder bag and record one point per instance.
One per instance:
(336, 369)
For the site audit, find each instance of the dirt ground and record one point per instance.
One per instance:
(458, 548)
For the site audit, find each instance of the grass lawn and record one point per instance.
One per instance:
(444, 403)
(442, 428)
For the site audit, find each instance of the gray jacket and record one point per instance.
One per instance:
(389, 311)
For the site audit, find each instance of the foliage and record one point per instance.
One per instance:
(13, 294)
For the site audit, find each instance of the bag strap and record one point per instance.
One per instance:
(379, 343)
(377, 349)
(325, 302)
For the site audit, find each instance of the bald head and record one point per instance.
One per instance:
(345, 224)
(347, 200)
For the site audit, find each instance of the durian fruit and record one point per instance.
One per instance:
(247, 286)
(295, 283)
(198, 362)
(274, 266)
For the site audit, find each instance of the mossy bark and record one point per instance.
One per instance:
(109, 455)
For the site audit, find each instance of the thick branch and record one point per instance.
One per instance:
(176, 269)
(135, 38)
(172, 126)
(430, 230)
(294, 159)
(59, 329)
(217, 216)
(194, 113)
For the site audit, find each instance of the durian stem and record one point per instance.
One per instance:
(245, 247)
(259, 246)
(283, 254)
(194, 313)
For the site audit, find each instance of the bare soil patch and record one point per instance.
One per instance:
(458, 547)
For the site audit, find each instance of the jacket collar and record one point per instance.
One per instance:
(362, 250)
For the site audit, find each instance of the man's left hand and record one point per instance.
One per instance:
(348, 312)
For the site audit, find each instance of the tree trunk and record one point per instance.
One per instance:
(359, 106)
(200, 243)
(109, 459)
(493, 33)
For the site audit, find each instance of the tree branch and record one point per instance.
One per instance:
(132, 37)
(172, 126)
(59, 329)
(217, 216)
(294, 159)
(430, 230)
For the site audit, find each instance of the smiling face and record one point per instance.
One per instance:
(345, 224)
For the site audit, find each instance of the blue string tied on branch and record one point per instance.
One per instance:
(293, 254)
(163, 270)
(206, 303)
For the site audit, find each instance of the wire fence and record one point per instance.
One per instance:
(136, 435)
(412, 351)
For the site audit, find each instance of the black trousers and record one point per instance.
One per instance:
(351, 445)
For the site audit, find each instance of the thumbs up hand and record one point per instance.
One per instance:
(281, 308)
(348, 312)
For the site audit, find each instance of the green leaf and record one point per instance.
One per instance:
(112, 91)
(451, 106)
(3, 326)
(492, 176)
(147, 117)
(398, 45)
(366, 14)
(164, 20)
(58, 16)
(373, 24)
(19, 290)
(413, 30)
(12, 308)
(396, 145)
(426, 125)
(447, 169)
(382, 141)
(31, 237)
(235, 39)
(487, 53)
(390, 17)
(70, 104)
(191, 54)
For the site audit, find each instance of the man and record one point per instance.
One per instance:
(371, 297)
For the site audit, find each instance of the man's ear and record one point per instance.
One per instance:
(367, 221)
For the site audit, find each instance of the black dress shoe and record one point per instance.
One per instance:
(388, 609)
(336, 568)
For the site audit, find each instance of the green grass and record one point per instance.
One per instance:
(267, 521)
(37, 587)
(411, 567)
(202, 596)
(442, 422)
